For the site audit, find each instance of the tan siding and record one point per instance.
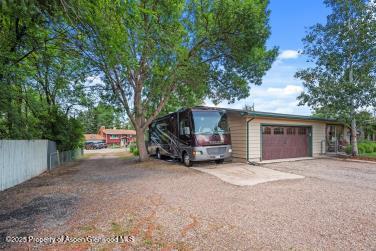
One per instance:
(238, 135)
(318, 134)
(238, 128)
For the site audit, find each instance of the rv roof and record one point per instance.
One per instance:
(257, 114)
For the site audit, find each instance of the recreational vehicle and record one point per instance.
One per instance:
(193, 134)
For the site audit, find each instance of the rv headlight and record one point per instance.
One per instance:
(230, 150)
(195, 153)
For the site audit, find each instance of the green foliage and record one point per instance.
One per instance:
(369, 146)
(348, 149)
(136, 152)
(343, 51)
(367, 121)
(158, 56)
(101, 115)
(363, 147)
(343, 80)
(41, 78)
(133, 149)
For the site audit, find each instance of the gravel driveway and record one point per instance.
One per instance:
(166, 205)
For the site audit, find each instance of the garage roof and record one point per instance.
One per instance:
(279, 115)
(288, 116)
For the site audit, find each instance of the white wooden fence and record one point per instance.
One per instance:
(21, 160)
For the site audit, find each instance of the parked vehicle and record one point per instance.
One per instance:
(95, 145)
(89, 145)
(194, 134)
(101, 145)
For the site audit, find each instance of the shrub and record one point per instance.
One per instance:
(132, 148)
(348, 149)
(368, 148)
(136, 152)
(361, 148)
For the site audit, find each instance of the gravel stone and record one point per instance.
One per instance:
(166, 205)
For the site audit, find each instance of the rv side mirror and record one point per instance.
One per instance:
(187, 131)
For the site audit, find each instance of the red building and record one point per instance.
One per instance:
(95, 138)
(120, 137)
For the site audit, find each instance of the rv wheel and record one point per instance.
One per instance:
(187, 161)
(219, 161)
(159, 156)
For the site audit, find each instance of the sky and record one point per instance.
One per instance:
(289, 20)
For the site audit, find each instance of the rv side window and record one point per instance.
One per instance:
(172, 126)
(184, 126)
(163, 133)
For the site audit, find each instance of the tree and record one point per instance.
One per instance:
(344, 53)
(249, 108)
(367, 121)
(40, 76)
(101, 115)
(20, 24)
(154, 53)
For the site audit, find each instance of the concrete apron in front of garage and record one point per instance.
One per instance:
(241, 174)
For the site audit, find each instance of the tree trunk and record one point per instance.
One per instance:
(140, 137)
(354, 138)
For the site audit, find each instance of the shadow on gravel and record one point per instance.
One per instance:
(53, 205)
(52, 209)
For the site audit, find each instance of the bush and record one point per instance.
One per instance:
(132, 148)
(348, 149)
(368, 148)
(363, 147)
(136, 152)
(373, 144)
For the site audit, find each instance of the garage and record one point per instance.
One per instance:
(257, 137)
(281, 142)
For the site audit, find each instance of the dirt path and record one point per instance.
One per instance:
(167, 206)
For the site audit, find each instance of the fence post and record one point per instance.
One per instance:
(50, 164)
(58, 157)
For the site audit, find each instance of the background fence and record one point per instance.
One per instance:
(58, 158)
(21, 160)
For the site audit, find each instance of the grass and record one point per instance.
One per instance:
(87, 228)
(118, 229)
(370, 155)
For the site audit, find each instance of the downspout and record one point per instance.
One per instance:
(248, 121)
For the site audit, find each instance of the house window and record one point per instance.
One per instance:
(302, 131)
(290, 131)
(266, 130)
(113, 136)
(278, 131)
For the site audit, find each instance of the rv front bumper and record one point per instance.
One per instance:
(205, 153)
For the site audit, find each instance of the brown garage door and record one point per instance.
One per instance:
(280, 142)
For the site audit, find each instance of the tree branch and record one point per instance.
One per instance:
(159, 107)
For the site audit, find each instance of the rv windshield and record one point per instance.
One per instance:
(209, 122)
